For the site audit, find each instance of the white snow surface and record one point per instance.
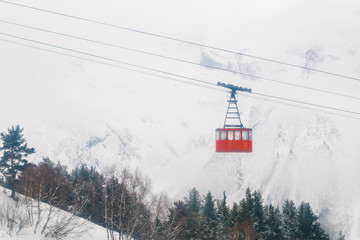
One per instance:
(87, 230)
(76, 111)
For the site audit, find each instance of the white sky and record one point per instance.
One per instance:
(266, 28)
(281, 30)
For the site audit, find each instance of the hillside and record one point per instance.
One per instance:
(21, 229)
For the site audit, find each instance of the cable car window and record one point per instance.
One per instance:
(223, 135)
(230, 135)
(250, 134)
(237, 135)
(244, 135)
(217, 135)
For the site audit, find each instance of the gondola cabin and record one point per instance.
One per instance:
(233, 137)
(233, 140)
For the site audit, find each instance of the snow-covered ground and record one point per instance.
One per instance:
(21, 229)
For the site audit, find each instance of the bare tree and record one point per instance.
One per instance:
(172, 228)
(48, 184)
(12, 217)
(159, 210)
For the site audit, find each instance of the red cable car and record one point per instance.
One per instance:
(233, 137)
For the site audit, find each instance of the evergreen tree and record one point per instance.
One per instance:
(251, 214)
(246, 206)
(88, 184)
(245, 217)
(209, 209)
(223, 210)
(257, 212)
(15, 151)
(193, 224)
(306, 220)
(194, 200)
(223, 217)
(209, 217)
(290, 220)
(249, 199)
(273, 224)
(309, 228)
(232, 226)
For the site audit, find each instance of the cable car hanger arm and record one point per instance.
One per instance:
(234, 88)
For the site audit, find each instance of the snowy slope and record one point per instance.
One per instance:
(76, 111)
(10, 209)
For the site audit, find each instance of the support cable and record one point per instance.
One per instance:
(177, 75)
(180, 60)
(181, 40)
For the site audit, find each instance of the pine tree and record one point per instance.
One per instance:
(223, 218)
(209, 207)
(245, 217)
(209, 217)
(309, 228)
(194, 200)
(15, 151)
(246, 207)
(193, 222)
(223, 210)
(88, 183)
(232, 225)
(258, 212)
(290, 220)
(273, 224)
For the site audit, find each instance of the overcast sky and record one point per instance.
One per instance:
(329, 31)
(267, 28)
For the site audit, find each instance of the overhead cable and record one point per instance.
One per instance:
(172, 79)
(181, 40)
(180, 60)
(106, 58)
(172, 74)
(109, 64)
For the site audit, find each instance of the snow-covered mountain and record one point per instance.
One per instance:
(77, 111)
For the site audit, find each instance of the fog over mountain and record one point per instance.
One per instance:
(77, 111)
